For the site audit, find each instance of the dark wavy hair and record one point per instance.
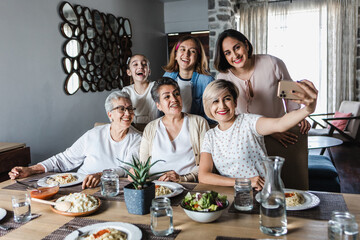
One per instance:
(161, 82)
(220, 62)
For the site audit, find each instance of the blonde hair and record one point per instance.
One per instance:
(201, 65)
(214, 90)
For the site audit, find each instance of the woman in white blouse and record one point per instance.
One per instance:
(175, 138)
(235, 148)
(98, 149)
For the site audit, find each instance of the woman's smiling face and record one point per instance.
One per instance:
(223, 107)
(170, 101)
(186, 55)
(235, 52)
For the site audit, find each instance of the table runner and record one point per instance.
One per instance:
(175, 201)
(33, 179)
(79, 222)
(234, 238)
(8, 221)
(328, 203)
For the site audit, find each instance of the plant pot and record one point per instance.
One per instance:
(139, 201)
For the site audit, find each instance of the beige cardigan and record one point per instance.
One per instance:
(197, 128)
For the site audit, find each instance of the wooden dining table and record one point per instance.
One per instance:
(229, 224)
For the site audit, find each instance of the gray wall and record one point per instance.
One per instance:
(186, 16)
(34, 108)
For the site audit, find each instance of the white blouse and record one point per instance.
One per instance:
(178, 154)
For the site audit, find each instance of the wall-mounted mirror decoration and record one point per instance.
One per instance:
(96, 49)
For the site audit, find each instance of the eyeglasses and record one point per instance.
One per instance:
(122, 109)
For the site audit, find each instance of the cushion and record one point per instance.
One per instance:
(341, 124)
(320, 166)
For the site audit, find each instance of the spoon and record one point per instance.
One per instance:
(61, 206)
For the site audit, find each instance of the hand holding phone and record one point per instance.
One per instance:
(286, 88)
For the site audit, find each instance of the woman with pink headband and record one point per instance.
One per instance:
(188, 66)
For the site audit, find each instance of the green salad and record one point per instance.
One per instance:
(204, 202)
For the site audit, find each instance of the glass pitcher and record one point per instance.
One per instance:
(272, 199)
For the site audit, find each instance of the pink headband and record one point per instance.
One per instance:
(178, 45)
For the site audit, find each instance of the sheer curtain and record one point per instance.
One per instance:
(332, 24)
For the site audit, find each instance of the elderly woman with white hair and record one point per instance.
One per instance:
(98, 149)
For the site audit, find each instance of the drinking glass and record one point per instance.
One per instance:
(342, 226)
(110, 184)
(161, 215)
(22, 208)
(243, 197)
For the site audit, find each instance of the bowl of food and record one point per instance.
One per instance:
(81, 204)
(204, 207)
(44, 192)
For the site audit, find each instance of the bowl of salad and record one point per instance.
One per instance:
(204, 207)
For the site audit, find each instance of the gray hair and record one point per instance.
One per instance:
(114, 96)
(161, 82)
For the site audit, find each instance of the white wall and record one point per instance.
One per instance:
(186, 16)
(34, 108)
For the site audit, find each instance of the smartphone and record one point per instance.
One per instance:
(286, 88)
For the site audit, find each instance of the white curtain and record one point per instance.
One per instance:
(342, 29)
(253, 24)
(340, 20)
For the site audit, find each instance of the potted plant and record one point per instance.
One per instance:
(139, 193)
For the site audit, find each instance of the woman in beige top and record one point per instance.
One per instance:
(256, 77)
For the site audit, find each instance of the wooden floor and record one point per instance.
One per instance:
(347, 161)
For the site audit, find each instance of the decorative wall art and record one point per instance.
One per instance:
(96, 49)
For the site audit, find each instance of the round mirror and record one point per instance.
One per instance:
(82, 74)
(99, 56)
(67, 65)
(114, 70)
(87, 14)
(92, 44)
(107, 31)
(68, 14)
(127, 27)
(83, 62)
(101, 85)
(89, 77)
(121, 32)
(114, 24)
(90, 32)
(66, 30)
(72, 83)
(89, 56)
(91, 68)
(78, 9)
(82, 23)
(85, 86)
(121, 83)
(76, 65)
(93, 87)
(99, 22)
(77, 32)
(104, 43)
(85, 47)
(109, 56)
(72, 48)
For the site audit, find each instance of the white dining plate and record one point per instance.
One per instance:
(311, 200)
(2, 213)
(79, 179)
(132, 231)
(175, 187)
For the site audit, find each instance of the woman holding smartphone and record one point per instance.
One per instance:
(256, 77)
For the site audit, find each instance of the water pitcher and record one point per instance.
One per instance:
(272, 199)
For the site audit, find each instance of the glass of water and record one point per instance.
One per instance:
(243, 197)
(161, 217)
(21, 207)
(110, 183)
(342, 226)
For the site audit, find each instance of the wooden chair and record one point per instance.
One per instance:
(351, 132)
(295, 169)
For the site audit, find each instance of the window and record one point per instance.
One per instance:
(299, 39)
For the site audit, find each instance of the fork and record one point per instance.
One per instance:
(2, 227)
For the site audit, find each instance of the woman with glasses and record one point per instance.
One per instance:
(256, 76)
(99, 148)
(176, 137)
